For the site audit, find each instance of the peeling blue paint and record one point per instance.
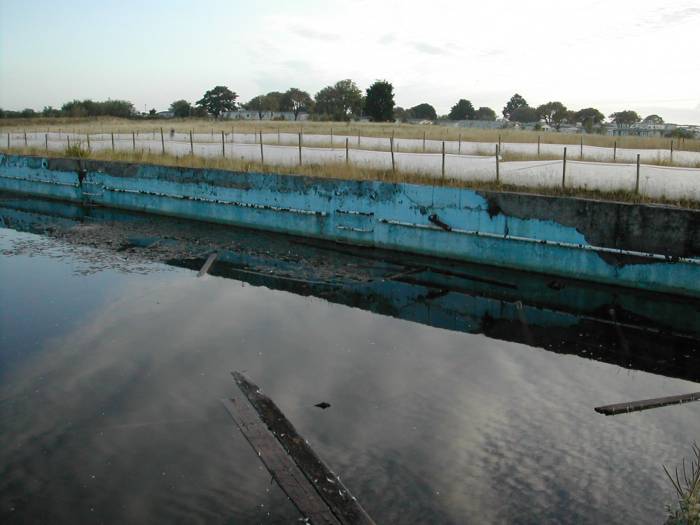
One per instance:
(372, 213)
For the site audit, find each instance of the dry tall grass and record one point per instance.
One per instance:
(347, 172)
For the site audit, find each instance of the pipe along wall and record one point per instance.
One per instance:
(655, 248)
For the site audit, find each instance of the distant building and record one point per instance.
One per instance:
(165, 114)
(480, 124)
(249, 114)
(640, 129)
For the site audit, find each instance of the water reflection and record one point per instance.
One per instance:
(115, 417)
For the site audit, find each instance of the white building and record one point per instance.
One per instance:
(249, 114)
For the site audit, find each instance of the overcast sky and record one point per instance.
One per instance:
(613, 55)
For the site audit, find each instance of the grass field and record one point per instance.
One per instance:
(344, 171)
(431, 132)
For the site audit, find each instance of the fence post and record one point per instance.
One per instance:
(262, 155)
(8, 140)
(538, 146)
(279, 141)
(499, 143)
(459, 148)
(563, 172)
(25, 139)
(391, 147)
(358, 138)
(233, 134)
(424, 142)
(498, 166)
(300, 148)
(223, 145)
(46, 141)
(636, 186)
(443, 160)
(112, 141)
(191, 144)
(581, 154)
(133, 141)
(671, 159)
(87, 136)
(615, 151)
(347, 158)
(68, 140)
(162, 141)
(331, 137)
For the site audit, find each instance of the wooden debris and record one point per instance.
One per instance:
(313, 488)
(645, 404)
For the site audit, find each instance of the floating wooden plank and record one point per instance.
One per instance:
(207, 264)
(645, 404)
(313, 488)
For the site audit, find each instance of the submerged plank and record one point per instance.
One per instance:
(207, 264)
(645, 404)
(282, 468)
(315, 490)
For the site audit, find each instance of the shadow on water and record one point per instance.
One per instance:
(632, 329)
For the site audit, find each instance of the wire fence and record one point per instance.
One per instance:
(558, 165)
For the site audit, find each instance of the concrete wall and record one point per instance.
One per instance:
(650, 247)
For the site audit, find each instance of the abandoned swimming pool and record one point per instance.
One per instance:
(458, 393)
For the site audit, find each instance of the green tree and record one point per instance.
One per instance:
(653, 119)
(625, 117)
(553, 113)
(515, 102)
(218, 100)
(401, 114)
(265, 103)
(423, 111)
(340, 101)
(181, 108)
(296, 101)
(379, 102)
(484, 113)
(681, 133)
(589, 117)
(462, 110)
(524, 114)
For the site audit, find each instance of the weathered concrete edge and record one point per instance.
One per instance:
(486, 227)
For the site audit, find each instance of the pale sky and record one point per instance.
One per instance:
(612, 55)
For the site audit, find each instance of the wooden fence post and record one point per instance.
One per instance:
(391, 147)
(671, 159)
(563, 173)
(262, 155)
(499, 143)
(424, 142)
(459, 148)
(331, 137)
(279, 141)
(133, 141)
(112, 141)
(87, 136)
(615, 151)
(498, 166)
(8, 140)
(347, 157)
(300, 148)
(223, 145)
(191, 144)
(358, 138)
(162, 142)
(538, 145)
(581, 154)
(46, 141)
(443, 160)
(636, 186)
(68, 140)
(25, 139)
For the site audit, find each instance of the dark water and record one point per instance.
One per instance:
(451, 402)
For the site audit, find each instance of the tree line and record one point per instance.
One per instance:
(344, 101)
